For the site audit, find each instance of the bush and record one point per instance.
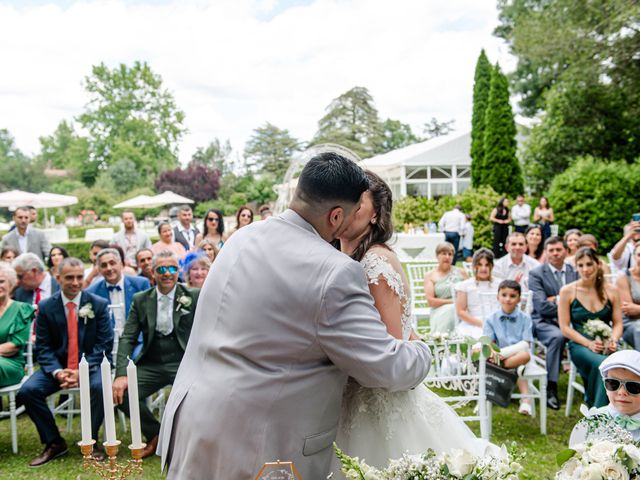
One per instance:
(597, 197)
(78, 249)
(477, 202)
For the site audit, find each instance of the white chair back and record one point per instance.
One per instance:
(416, 272)
(488, 303)
(468, 267)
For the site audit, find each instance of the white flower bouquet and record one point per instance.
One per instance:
(598, 330)
(600, 460)
(454, 465)
(86, 312)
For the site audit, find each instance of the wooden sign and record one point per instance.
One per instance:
(278, 471)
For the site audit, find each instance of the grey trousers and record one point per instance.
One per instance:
(551, 337)
(631, 333)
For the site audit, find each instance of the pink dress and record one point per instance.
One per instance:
(174, 247)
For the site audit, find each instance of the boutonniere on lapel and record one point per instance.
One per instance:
(184, 301)
(86, 312)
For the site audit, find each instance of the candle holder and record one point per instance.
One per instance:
(111, 469)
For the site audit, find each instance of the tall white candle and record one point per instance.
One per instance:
(85, 401)
(107, 398)
(134, 407)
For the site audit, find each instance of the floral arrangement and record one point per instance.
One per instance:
(184, 301)
(600, 460)
(597, 329)
(454, 465)
(86, 312)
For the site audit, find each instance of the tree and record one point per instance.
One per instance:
(130, 115)
(503, 172)
(396, 134)
(197, 182)
(481, 88)
(124, 175)
(351, 120)
(270, 149)
(215, 155)
(64, 149)
(17, 170)
(433, 128)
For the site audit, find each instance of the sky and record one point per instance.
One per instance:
(233, 65)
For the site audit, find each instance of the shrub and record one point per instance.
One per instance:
(597, 197)
(78, 249)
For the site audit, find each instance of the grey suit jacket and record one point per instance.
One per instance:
(283, 319)
(543, 284)
(36, 242)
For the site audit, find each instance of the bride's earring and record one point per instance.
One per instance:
(373, 221)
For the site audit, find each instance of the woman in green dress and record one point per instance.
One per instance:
(15, 325)
(438, 288)
(590, 297)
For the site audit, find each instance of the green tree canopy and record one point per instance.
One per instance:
(17, 170)
(65, 149)
(130, 115)
(502, 169)
(481, 88)
(396, 135)
(270, 149)
(351, 120)
(215, 155)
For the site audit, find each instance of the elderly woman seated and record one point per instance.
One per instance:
(438, 288)
(195, 269)
(469, 295)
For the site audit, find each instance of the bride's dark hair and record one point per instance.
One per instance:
(382, 230)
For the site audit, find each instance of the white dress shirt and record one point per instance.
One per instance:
(467, 236)
(625, 261)
(22, 239)
(116, 301)
(507, 270)
(189, 234)
(164, 320)
(452, 221)
(45, 287)
(521, 214)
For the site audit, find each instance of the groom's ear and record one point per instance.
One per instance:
(336, 216)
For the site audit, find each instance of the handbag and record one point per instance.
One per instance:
(499, 384)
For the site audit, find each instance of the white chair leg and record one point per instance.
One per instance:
(572, 378)
(14, 425)
(543, 405)
(70, 407)
(123, 420)
(532, 398)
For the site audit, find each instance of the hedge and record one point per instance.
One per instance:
(78, 248)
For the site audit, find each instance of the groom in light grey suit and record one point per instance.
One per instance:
(283, 319)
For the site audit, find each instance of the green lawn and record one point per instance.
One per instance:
(508, 426)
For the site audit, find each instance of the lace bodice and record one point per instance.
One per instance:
(377, 267)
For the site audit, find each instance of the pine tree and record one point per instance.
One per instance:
(481, 87)
(502, 170)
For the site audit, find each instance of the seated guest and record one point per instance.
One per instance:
(117, 289)
(164, 315)
(15, 324)
(621, 255)
(469, 307)
(25, 237)
(545, 283)
(92, 274)
(588, 240)
(535, 242)
(88, 332)
(438, 285)
(511, 329)
(621, 377)
(144, 258)
(209, 248)
(130, 238)
(213, 229)
(244, 217)
(196, 268)
(56, 254)
(629, 288)
(8, 254)
(185, 233)
(34, 282)
(126, 269)
(571, 239)
(166, 242)
(589, 297)
(516, 265)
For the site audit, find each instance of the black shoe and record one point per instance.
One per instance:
(552, 401)
(49, 453)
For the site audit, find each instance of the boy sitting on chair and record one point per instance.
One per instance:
(511, 329)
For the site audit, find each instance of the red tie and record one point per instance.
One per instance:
(37, 299)
(72, 333)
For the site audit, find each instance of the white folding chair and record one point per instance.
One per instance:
(11, 391)
(572, 385)
(468, 267)
(416, 272)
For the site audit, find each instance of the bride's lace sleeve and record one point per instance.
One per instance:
(377, 267)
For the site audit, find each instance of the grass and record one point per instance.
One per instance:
(508, 426)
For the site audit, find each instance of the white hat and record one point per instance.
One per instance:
(627, 359)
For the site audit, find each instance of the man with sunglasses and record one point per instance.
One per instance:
(164, 316)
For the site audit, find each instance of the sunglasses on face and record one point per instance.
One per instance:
(172, 269)
(613, 384)
(212, 219)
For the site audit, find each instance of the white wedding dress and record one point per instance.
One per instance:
(377, 425)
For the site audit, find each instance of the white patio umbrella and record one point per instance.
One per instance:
(52, 200)
(141, 201)
(169, 197)
(16, 198)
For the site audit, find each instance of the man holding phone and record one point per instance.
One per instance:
(621, 256)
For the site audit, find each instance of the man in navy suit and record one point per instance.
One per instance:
(70, 324)
(545, 283)
(34, 282)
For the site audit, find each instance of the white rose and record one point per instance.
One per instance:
(615, 471)
(569, 467)
(460, 462)
(592, 472)
(633, 452)
(602, 451)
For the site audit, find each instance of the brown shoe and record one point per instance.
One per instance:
(151, 447)
(98, 453)
(49, 453)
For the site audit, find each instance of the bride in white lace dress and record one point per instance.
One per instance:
(375, 424)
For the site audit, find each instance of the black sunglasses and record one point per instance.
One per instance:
(212, 219)
(613, 384)
(172, 269)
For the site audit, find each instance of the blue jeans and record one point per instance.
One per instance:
(454, 239)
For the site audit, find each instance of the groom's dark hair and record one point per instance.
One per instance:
(330, 177)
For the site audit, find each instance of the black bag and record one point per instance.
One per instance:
(500, 383)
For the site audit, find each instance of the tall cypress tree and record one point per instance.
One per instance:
(481, 87)
(502, 169)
